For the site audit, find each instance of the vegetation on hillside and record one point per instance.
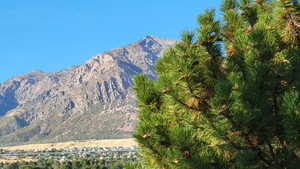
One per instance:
(227, 96)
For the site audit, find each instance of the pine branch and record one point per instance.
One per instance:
(246, 136)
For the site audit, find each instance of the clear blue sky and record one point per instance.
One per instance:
(50, 35)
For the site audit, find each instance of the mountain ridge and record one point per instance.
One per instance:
(93, 100)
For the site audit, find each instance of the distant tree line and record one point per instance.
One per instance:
(83, 163)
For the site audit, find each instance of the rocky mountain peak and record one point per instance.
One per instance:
(90, 101)
(148, 42)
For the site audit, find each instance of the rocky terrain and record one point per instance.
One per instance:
(90, 101)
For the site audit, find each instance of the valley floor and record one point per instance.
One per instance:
(74, 144)
(68, 151)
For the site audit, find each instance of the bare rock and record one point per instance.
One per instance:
(90, 101)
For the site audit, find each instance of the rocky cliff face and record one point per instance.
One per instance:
(90, 101)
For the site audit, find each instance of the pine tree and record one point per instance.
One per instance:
(227, 95)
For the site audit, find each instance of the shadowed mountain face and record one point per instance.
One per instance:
(90, 101)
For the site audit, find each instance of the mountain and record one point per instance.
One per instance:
(94, 100)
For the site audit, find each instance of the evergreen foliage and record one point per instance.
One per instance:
(227, 96)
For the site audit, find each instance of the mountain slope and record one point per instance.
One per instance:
(90, 101)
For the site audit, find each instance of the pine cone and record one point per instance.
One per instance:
(186, 154)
